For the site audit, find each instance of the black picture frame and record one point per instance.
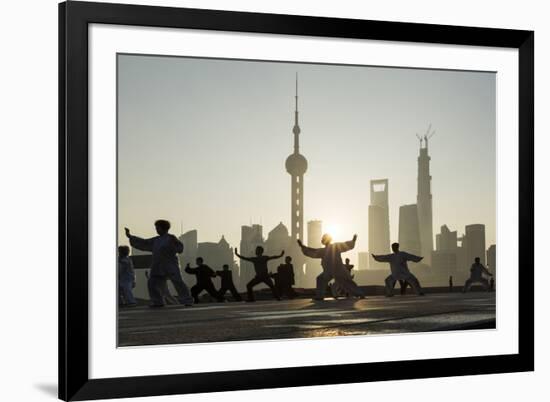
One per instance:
(74, 18)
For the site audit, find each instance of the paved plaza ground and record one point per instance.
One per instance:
(303, 318)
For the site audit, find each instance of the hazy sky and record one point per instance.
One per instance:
(204, 142)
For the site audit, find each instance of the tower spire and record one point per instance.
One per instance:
(296, 166)
(296, 129)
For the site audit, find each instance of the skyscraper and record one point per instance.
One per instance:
(409, 233)
(296, 166)
(492, 258)
(446, 256)
(424, 199)
(313, 265)
(251, 237)
(474, 243)
(379, 221)
(362, 260)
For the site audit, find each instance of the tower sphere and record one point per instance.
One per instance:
(296, 164)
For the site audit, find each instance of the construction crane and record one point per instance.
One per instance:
(419, 139)
(429, 134)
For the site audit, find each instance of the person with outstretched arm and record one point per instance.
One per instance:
(204, 276)
(165, 264)
(399, 269)
(333, 267)
(476, 276)
(262, 274)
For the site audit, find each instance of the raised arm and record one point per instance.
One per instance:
(486, 271)
(413, 258)
(347, 245)
(382, 258)
(241, 257)
(190, 270)
(274, 257)
(311, 252)
(138, 242)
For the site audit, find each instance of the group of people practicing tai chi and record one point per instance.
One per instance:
(165, 266)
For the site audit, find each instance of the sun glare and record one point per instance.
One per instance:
(334, 230)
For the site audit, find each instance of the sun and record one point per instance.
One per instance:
(334, 230)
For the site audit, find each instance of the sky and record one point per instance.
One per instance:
(203, 143)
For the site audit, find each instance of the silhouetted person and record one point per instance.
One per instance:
(476, 276)
(204, 276)
(284, 279)
(262, 275)
(450, 283)
(126, 277)
(227, 283)
(349, 267)
(337, 290)
(492, 283)
(333, 267)
(402, 287)
(165, 264)
(399, 269)
(166, 296)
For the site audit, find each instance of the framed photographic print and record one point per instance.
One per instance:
(258, 200)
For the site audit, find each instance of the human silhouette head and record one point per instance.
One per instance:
(395, 247)
(347, 260)
(326, 239)
(199, 260)
(123, 251)
(259, 251)
(225, 267)
(477, 260)
(162, 226)
(288, 259)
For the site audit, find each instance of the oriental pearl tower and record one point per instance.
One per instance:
(296, 166)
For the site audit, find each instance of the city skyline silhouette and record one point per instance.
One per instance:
(204, 142)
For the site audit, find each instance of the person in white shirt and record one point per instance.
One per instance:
(333, 267)
(126, 278)
(165, 264)
(399, 269)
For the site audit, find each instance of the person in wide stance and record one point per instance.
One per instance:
(165, 264)
(333, 267)
(262, 275)
(204, 276)
(399, 269)
(476, 276)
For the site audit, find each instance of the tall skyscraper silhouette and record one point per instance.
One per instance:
(409, 233)
(447, 256)
(251, 237)
(379, 221)
(296, 166)
(492, 258)
(424, 199)
(474, 243)
(313, 265)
